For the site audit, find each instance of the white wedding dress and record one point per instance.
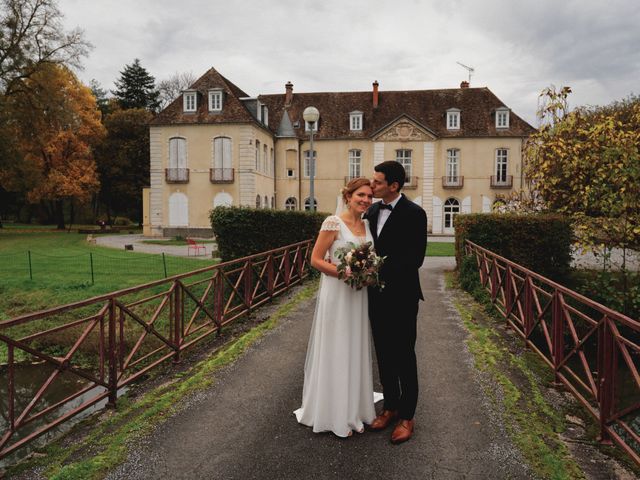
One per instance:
(338, 384)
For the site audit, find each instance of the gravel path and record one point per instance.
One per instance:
(119, 241)
(243, 427)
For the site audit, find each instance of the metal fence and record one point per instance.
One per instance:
(92, 267)
(594, 351)
(107, 342)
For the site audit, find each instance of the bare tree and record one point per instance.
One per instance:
(31, 34)
(171, 88)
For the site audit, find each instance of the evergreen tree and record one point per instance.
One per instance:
(101, 96)
(136, 88)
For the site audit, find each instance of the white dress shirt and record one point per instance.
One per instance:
(383, 215)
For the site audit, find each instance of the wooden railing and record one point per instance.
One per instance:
(594, 351)
(107, 342)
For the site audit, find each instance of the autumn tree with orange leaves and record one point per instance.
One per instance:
(56, 125)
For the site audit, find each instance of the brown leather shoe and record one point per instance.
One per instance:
(383, 420)
(403, 431)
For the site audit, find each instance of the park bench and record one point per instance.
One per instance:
(192, 245)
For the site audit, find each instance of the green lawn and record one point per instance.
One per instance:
(440, 249)
(61, 266)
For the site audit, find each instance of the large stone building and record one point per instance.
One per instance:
(216, 145)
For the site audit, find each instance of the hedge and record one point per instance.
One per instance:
(242, 231)
(540, 242)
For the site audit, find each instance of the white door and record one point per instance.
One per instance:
(451, 208)
(178, 210)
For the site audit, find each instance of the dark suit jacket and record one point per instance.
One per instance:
(403, 241)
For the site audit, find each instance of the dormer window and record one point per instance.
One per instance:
(264, 113)
(355, 121)
(215, 100)
(190, 101)
(453, 119)
(502, 118)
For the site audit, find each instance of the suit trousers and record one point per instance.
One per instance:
(393, 326)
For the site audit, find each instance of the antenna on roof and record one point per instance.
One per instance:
(469, 69)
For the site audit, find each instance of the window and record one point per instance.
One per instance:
(307, 204)
(453, 165)
(502, 118)
(222, 152)
(355, 121)
(307, 163)
(354, 163)
(290, 204)
(215, 100)
(189, 101)
(451, 208)
(273, 202)
(291, 173)
(258, 201)
(265, 159)
(222, 170)
(177, 153)
(453, 119)
(502, 157)
(257, 155)
(266, 202)
(404, 158)
(264, 114)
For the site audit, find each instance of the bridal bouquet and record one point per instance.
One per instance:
(359, 265)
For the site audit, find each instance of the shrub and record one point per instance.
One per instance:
(242, 231)
(121, 222)
(540, 242)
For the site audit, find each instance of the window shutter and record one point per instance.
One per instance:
(226, 163)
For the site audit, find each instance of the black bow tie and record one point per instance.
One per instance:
(386, 206)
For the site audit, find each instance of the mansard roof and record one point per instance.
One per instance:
(233, 111)
(426, 108)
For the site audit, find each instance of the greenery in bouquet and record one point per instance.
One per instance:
(359, 266)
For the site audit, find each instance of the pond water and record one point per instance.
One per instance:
(28, 380)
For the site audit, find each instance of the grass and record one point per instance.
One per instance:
(440, 249)
(108, 443)
(61, 269)
(61, 265)
(532, 423)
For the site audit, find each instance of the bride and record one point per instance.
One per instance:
(338, 385)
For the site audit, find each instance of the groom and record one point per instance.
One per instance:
(399, 229)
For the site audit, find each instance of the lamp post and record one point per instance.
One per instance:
(311, 115)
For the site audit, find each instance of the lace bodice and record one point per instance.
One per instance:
(336, 224)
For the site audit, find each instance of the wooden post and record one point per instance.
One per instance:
(113, 362)
(557, 327)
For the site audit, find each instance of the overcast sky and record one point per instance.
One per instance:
(517, 47)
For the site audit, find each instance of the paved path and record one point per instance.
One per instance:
(119, 241)
(243, 426)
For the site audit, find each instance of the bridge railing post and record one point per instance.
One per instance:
(557, 327)
(112, 356)
(607, 363)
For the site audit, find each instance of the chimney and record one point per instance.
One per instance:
(375, 94)
(464, 84)
(289, 94)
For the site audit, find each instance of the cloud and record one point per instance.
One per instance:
(517, 47)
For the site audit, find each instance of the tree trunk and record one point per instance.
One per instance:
(59, 206)
(72, 214)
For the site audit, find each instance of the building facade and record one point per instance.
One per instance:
(216, 145)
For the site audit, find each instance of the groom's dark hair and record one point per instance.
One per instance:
(393, 172)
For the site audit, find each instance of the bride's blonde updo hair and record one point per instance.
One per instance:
(352, 186)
